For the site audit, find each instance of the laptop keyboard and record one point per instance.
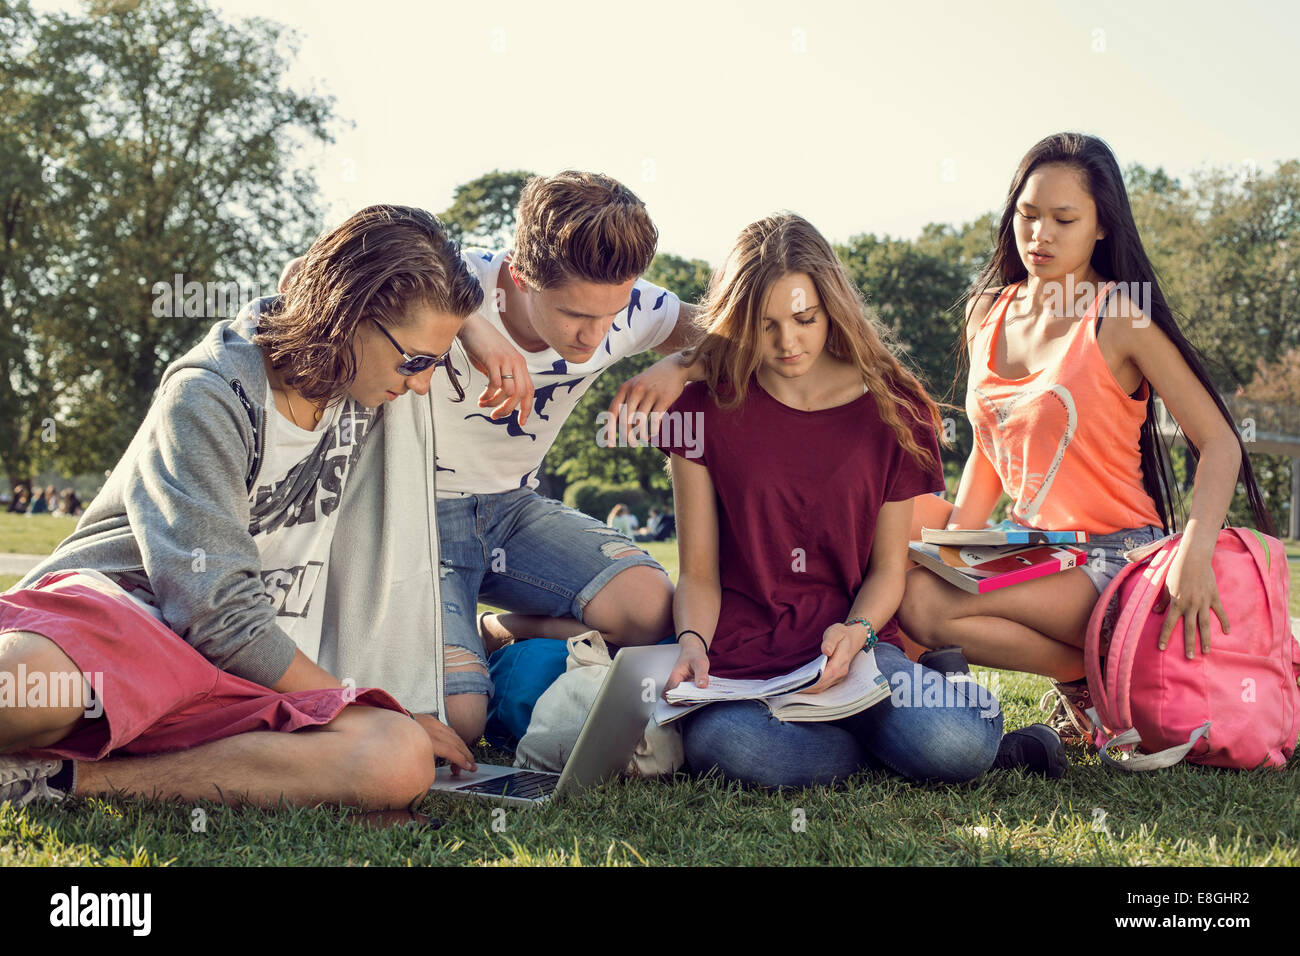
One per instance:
(527, 785)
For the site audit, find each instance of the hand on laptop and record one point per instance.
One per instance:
(446, 743)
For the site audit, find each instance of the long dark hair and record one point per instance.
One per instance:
(1118, 256)
(379, 262)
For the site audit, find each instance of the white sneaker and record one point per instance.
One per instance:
(24, 779)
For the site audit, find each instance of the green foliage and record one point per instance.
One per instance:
(1273, 475)
(688, 279)
(1227, 248)
(578, 453)
(482, 211)
(916, 288)
(597, 498)
(916, 297)
(138, 141)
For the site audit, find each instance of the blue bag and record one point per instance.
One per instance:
(521, 672)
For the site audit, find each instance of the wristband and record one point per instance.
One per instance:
(697, 634)
(872, 638)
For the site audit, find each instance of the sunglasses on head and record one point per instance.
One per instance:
(415, 364)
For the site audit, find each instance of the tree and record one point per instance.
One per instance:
(917, 294)
(482, 211)
(688, 279)
(1227, 249)
(144, 141)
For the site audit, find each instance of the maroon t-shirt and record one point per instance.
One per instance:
(798, 494)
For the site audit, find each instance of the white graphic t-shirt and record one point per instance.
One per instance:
(294, 508)
(479, 455)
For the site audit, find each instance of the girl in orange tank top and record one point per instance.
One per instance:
(1069, 340)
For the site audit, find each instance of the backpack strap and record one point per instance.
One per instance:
(1136, 761)
(1141, 600)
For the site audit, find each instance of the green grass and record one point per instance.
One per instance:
(33, 534)
(1094, 816)
(1181, 816)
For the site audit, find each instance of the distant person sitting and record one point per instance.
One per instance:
(622, 520)
(658, 527)
(20, 500)
(646, 531)
(69, 503)
(39, 505)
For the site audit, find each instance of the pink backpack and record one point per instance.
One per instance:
(1237, 706)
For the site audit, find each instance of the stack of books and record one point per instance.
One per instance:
(980, 560)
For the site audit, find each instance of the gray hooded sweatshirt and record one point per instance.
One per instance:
(176, 509)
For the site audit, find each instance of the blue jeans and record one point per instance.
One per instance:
(528, 554)
(1106, 552)
(930, 728)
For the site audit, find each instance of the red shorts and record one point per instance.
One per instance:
(157, 692)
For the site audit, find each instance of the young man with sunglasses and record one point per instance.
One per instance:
(559, 308)
(411, 365)
(190, 596)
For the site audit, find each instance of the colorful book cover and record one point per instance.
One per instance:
(988, 568)
(1005, 532)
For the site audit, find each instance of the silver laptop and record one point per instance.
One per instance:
(613, 727)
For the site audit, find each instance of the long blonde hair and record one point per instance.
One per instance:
(731, 316)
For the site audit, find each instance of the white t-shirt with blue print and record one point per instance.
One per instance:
(479, 455)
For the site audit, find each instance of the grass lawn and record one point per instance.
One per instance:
(33, 534)
(1181, 816)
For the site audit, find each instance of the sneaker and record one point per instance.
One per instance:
(945, 660)
(1036, 748)
(1069, 717)
(24, 779)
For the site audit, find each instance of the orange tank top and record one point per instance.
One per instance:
(1063, 439)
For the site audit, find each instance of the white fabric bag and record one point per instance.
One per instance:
(562, 709)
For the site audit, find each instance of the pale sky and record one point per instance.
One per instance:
(861, 116)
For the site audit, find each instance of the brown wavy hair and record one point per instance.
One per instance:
(586, 226)
(732, 317)
(376, 265)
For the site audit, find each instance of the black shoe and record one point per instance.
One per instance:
(1037, 748)
(945, 660)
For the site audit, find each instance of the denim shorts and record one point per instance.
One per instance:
(525, 553)
(1106, 552)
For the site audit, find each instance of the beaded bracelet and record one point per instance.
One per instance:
(872, 638)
